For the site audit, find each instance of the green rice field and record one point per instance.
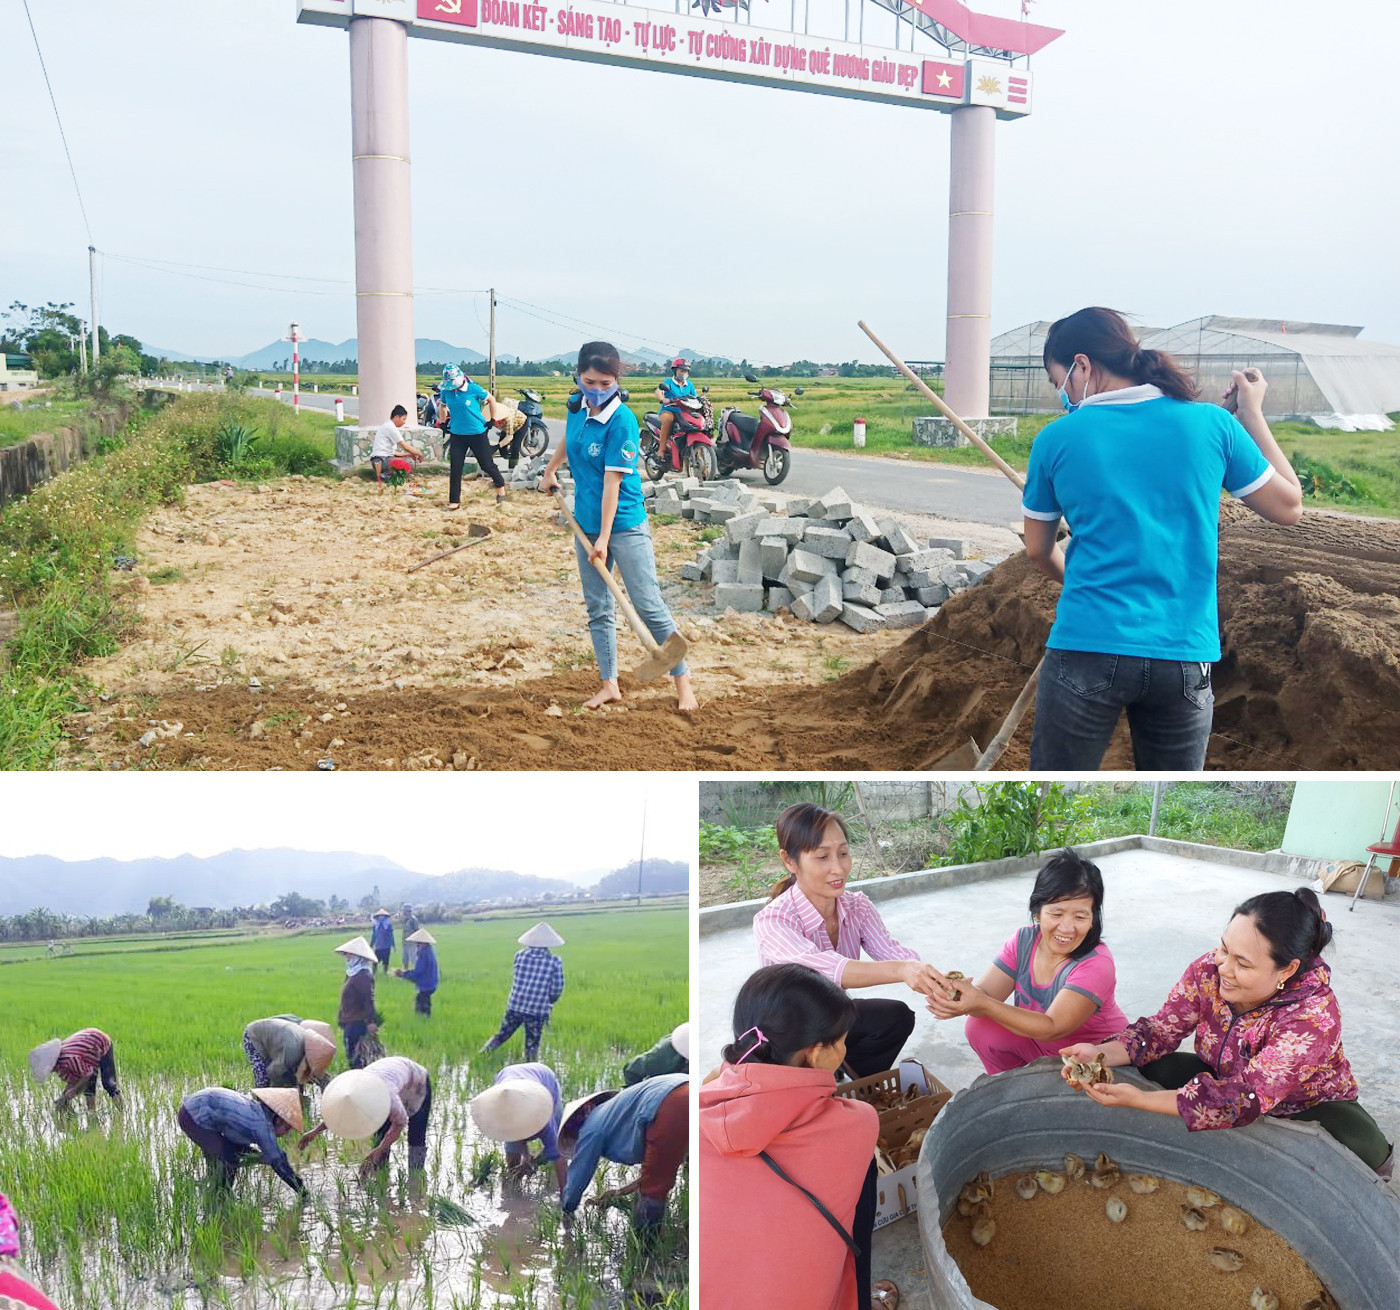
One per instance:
(115, 1208)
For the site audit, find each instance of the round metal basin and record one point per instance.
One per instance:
(1292, 1177)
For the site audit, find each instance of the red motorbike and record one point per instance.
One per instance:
(757, 443)
(690, 448)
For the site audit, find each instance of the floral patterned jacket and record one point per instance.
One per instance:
(1281, 1058)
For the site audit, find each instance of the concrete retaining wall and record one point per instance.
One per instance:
(47, 454)
(1299, 869)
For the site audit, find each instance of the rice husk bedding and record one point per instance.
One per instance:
(1062, 1252)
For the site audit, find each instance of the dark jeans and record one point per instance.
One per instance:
(878, 1035)
(423, 1003)
(534, 1030)
(480, 447)
(417, 1128)
(1347, 1121)
(352, 1032)
(1082, 694)
(384, 958)
(107, 1067)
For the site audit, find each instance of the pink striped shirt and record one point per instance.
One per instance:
(790, 929)
(80, 1055)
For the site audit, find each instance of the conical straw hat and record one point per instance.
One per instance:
(422, 935)
(381, 913)
(284, 1103)
(355, 1104)
(541, 935)
(680, 1039)
(43, 1058)
(576, 1112)
(321, 1028)
(512, 1110)
(357, 946)
(318, 1051)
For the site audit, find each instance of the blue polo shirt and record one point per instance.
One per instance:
(464, 409)
(675, 391)
(1137, 476)
(607, 443)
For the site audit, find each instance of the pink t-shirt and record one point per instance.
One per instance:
(1094, 976)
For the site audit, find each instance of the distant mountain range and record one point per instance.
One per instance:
(105, 887)
(428, 350)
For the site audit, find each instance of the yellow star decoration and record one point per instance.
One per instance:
(945, 80)
(989, 86)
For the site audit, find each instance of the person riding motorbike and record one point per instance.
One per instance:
(670, 390)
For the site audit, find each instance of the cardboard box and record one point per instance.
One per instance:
(896, 1195)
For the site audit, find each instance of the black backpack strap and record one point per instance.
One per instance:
(822, 1210)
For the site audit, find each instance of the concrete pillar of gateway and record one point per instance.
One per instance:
(383, 230)
(967, 373)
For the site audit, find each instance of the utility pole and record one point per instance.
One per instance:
(92, 287)
(294, 333)
(493, 341)
(642, 856)
(82, 347)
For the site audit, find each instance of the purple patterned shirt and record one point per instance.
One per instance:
(1281, 1058)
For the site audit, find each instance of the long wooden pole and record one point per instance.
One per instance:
(1026, 699)
(944, 409)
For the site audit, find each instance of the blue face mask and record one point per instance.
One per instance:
(1069, 405)
(596, 397)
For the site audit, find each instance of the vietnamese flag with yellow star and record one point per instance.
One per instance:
(943, 80)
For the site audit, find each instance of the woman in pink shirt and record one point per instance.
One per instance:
(811, 919)
(1058, 968)
(781, 1156)
(1268, 1034)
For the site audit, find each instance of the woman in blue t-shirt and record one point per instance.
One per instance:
(601, 445)
(669, 392)
(465, 406)
(1136, 471)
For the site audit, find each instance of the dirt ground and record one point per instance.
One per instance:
(483, 660)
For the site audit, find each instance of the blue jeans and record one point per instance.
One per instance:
(1081, 695)
(631, 551)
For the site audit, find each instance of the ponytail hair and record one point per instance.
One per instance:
(1292, 923)
(800, 829)
(783, 1009)
(602, 357)
(1103, 335)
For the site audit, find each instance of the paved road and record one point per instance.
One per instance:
(944, 490)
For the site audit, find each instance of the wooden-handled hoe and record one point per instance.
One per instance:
(661, 659)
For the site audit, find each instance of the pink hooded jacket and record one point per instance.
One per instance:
(1280, 1058)
(763, 1245)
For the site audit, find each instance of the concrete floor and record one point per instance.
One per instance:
(1160, 912)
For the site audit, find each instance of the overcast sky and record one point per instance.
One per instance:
(1192, 157)
(551, 825)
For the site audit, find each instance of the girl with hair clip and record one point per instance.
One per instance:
(780, 1154)
(601, 445)
(1057, 971)
(1268, 1034)
(813, 920)
(1136, 470)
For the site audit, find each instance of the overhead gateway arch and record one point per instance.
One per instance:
(972, 66)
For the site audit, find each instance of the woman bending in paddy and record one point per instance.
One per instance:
(1268, 1034)
(1057, 971)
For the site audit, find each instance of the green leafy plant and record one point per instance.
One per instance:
(1013, 818)
(235, 442)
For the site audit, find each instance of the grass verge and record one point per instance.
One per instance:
(59, 546)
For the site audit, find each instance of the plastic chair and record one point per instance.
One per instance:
(1389, 848)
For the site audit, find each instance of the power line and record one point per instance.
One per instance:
(63, 136)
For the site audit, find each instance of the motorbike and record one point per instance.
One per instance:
(691, 448)
(762, 443)
(523, 430)
(427, 409)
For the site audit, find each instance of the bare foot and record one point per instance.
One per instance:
(685, 697)
(609, 691)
